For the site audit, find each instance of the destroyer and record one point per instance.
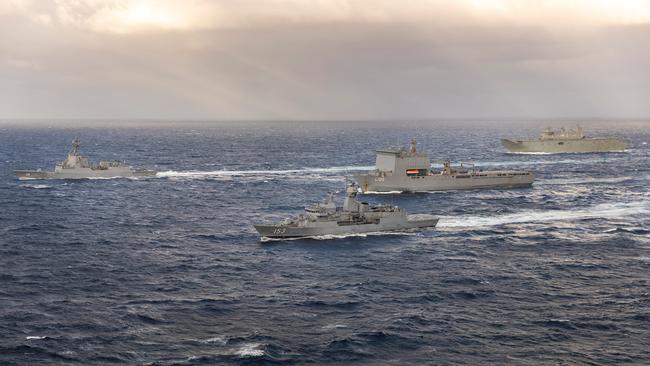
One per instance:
(562, 141)
(399, 170)
(353, 218)
(76, 166)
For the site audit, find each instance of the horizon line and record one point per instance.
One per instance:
(388, 119)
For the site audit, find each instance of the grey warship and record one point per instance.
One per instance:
(563, 141)
(400, 170)
(76, 166)
(353, 218)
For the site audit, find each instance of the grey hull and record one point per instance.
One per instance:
(371, 183)
(84, 173)
(564, 146)
(286, 232)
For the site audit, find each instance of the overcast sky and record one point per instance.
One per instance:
(324, 59)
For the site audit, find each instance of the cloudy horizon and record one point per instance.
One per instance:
(325, 60)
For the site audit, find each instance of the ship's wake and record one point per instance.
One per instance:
(559, 153)
(604, 211)
(594, 160)
(340, 236)
(529, 153)
(572, 181)
(230, 174)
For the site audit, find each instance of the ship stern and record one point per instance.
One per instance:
(30, 174)
(365, 182)
(422, 221)
(144, 173)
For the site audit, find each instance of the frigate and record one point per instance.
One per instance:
(401, 170)
(76, 166)
(563, 141)
(353, 217)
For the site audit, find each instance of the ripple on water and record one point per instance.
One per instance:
(169, 270)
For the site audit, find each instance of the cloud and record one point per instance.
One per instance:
(129, 16)
(277, 59)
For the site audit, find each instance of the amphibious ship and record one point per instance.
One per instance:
(401, 170)
(563, 141)
(76, 166)
(353, 217)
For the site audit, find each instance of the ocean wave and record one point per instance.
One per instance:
(35, 337)
(632, 230)
(606, 210)
(334, 326)
(218, 340)
(36, 186)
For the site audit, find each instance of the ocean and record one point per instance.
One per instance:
(170, 271)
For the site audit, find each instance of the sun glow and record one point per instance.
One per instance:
(142, 15)
(128, 16)
(489, 5)
(149, 15)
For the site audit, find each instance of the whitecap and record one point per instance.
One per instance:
(334, 326)
(220, 340)
(250, 350)
(37, 186)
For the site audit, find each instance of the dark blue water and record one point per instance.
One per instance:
(169, 270)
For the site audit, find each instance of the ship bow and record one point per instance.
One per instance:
(512, 146)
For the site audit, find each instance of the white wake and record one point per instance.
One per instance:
(239, 173)
(605, 210)
(341, 236)
(571, 181)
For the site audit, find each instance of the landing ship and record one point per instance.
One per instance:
(400, 170)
